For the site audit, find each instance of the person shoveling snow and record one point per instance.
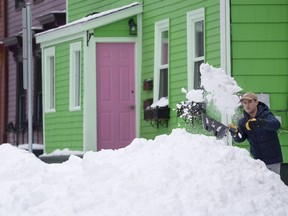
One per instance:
(259, 126)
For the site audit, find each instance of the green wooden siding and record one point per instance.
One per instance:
(117, 29)
(259, 49)
(63, 128)
(260, 53)
(154, 11)
(79, 10)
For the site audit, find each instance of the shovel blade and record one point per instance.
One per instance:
(217, 128)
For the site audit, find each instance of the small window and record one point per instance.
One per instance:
(21, 97)
(161, 60)
(75, 76)
(196, 48)
(38, 120)
(19, 4)
(50, 80)
(37, 1)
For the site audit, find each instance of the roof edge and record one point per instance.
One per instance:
(90, 22)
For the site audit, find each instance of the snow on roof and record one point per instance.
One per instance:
(91, 17)
(52, 12)
(56, 11)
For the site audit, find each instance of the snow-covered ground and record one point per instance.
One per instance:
(178, 174)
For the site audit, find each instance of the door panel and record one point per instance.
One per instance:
(115, 95)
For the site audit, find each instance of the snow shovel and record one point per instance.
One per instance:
(219, 130)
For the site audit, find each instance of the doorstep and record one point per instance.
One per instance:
(56, 158)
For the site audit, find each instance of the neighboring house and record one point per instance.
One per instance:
(98, 72)
(3, 72)
(46, 14)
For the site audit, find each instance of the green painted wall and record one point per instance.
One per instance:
(259, 48)
(77, 10)
(117, 29)
(260, 53)
(63, 128)
(156, 10)
(153, 11)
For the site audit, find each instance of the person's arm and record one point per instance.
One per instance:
(237, 133)
(272, 123)
(266, 121)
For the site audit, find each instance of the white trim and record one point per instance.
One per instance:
(62, 40)
(192, 17)
(89, 97)
(49, 52)
(137, 69)
(74, 47)
(159, 27)
(85, 24)
(225, 36)
(90, 88)
(225, 51)
(115, 40)
(138, 72)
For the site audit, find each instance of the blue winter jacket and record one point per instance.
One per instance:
(264, 142)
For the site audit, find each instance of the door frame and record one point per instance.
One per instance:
(90, 88)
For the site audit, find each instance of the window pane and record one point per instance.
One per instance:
(197, 74)
(21, 111)
(21, 102)
(52, 82)
(19, 4)
(164, 48)
(38, 91)
(77, 78)
(39, 109)
(199, 39)
(163, 83)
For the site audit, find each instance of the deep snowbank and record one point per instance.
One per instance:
(178, 174)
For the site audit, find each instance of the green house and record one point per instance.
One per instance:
(115, 58)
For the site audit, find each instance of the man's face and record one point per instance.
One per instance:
(250, 106)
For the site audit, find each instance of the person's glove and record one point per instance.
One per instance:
(232, 129)
(255, 123)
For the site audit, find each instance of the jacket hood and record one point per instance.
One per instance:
(261, 107)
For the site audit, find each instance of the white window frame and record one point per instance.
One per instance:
(75, 73)
(193, 17)
(160, 27)
(49, 74)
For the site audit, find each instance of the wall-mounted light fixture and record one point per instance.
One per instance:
(132, 27)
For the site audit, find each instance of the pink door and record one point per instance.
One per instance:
(115, 95)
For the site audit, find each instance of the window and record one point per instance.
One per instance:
(195, 46)
(38, 120)
(37, 1)
(21, 98)
(75, 76)
(50, 80)
(19, 4)
(161, 60)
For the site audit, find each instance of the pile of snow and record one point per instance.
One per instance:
(178, 174)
